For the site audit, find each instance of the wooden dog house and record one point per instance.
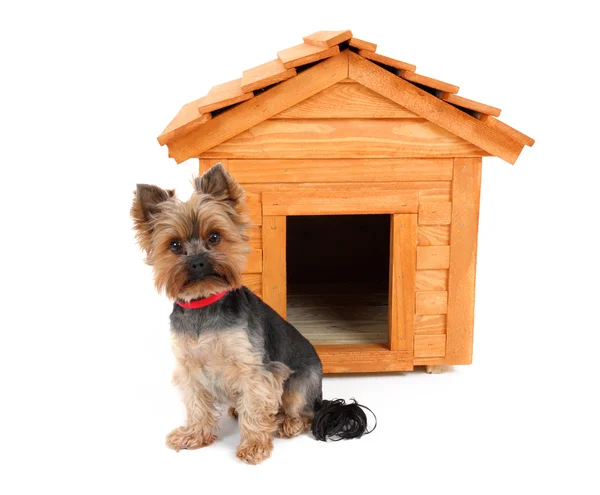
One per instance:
(363, 180)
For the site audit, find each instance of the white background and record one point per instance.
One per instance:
(85, 358)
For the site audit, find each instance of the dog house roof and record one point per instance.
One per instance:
(326, 58)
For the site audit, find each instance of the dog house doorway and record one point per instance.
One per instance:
(338, 277)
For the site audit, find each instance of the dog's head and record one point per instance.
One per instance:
(198, 247)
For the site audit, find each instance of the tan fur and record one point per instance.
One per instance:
(222, 368)
(292, 420)
(199, 216)
(145, 206)
(290, 427)
(217, 205)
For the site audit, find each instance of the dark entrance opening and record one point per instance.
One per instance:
(338, 277)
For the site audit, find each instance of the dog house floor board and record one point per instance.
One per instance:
(339, 314)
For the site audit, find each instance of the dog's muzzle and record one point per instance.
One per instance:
(198, 267)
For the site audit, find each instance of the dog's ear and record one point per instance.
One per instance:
(147, 203)
(219, 184)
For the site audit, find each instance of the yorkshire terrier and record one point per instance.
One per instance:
(231, 348)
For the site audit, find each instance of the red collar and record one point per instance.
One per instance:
(202, 302)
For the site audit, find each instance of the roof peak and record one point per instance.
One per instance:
(221, 101)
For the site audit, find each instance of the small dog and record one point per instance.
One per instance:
(231, 348)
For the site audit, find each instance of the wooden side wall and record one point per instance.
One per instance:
(427, 187)
(323, 158)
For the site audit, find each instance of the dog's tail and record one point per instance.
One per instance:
(335, 420)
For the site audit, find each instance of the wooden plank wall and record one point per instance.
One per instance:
(344, 138)
(426, 185)
(360, 150)
(466, 188)
(346, 120)
(431, 280)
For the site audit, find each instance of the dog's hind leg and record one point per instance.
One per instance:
(300, 393)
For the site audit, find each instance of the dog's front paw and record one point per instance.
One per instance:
(189, 438)
(254, 452)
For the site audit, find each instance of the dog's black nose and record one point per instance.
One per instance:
(198, 267)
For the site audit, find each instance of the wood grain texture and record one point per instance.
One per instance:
(435, 213)
(305, 54)
(363, 45)
(206, 163)
(437, 193)
(508, 130)
(223, 95)
(428, 324)
(248, 171)
(264, 75)
(347, 201)
(274, 288)
(429, 82)
(403, 255)
(382, 59)
(470, 104)
(427, 346)
(327, 38)
(363, 358)
(431, 280)
(255, 261)
(463, 258)
(254, 282)
(186, 120)
(261, 107)
(255, 237)
(330, 332)
(434, 190)
(344, 138)
(343, 101)
(428, 106)
(433, 257)
(431, 302)
(325, 316)
(254, 203)
(428, 363)
(433, 235)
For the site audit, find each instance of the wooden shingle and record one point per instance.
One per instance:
(305, 54)
(430, 82)
(223, 95)
(392, 62)
(470, 104)
(185, 121)
(363, 45)
(327, 38)
(345, 101)
(264, 75)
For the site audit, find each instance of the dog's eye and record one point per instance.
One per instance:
(175, 246)
(214, 238)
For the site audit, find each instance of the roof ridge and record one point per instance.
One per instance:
(317, 48)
